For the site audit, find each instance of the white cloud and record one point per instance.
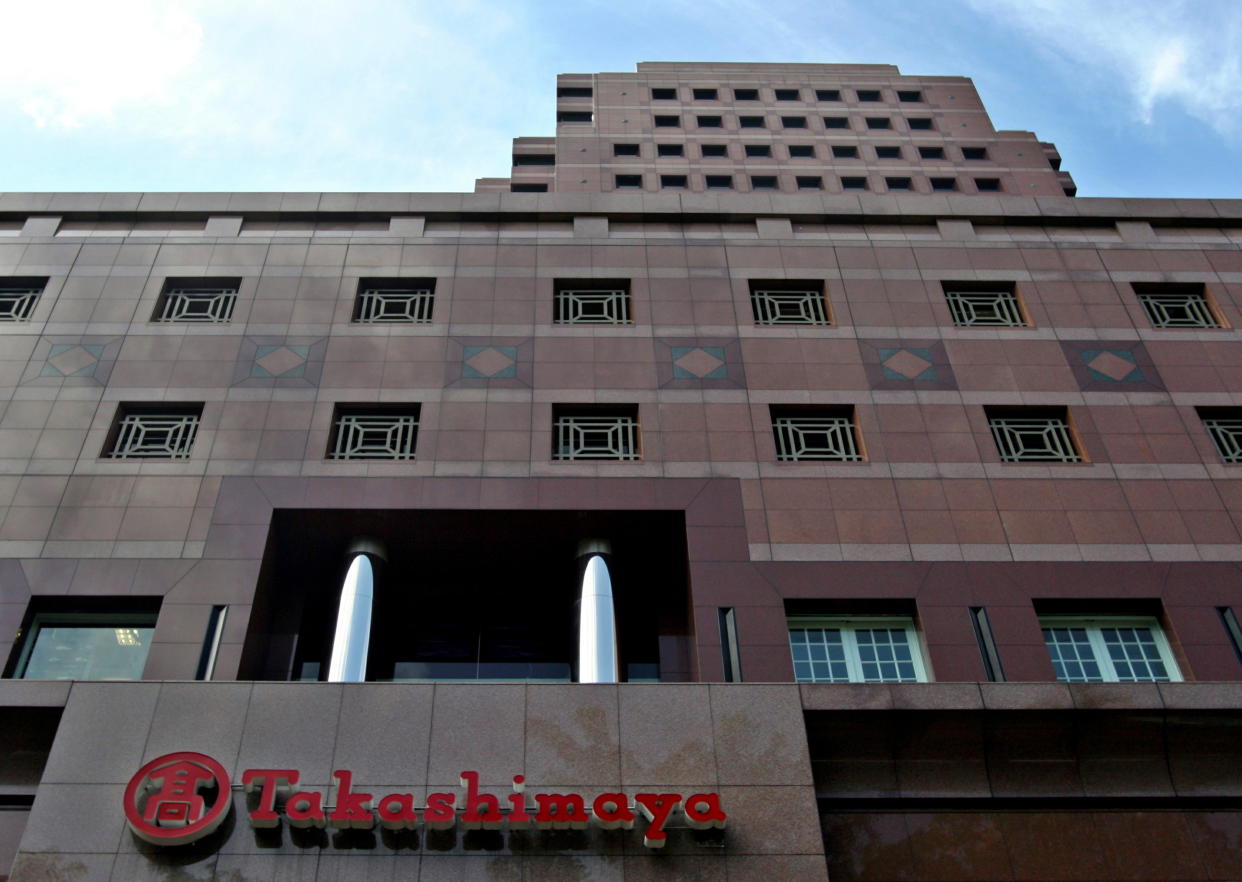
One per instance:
(1186, 54)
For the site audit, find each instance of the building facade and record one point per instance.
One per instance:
(913, 478)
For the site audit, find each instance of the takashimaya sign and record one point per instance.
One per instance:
(182, 797)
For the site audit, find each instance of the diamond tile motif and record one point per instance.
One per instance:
(280, 361)
(908, 364)
(489, 362)
(72, 360)
(699, 362)
(1115, 365)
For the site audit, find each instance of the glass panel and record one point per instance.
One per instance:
(88, 652)
(1072, 656)
(1134, 655)
(818, 655)
(885, 655)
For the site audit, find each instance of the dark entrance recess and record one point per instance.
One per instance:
(470, 595)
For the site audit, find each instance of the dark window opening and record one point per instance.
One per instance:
(919, 123)
(869, 95)
(673, 182)
(909, 96)
(943, 184)
(625, 150)
(801, 151)
(574, 116)
(827, 94)
(810, 183)
(840, 151)
(853, 183)
(745, 94)
(668, 122)
(931, 153)
(751, 122)
(758, 150)
(705, 95)
(836, 122)
(763, 182)
(670, 150)
(710, 122)
(787, 95)
(974, 153)
(720, 182)
(793, 122)
(709, 151)
(574, 92)
(888, 153)
(988, 185)
(534, 159)
(528, 188)
(898, 183)
(629, 182)
(879, 122)
(663, 94)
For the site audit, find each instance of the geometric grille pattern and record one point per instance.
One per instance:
(394, 304)
(1034, 439)
(586, 306)
(17, 302)
(844, 654)
(155, 435)
(390, 436)
(807, 437)
(785, 307)
(1097, 654)
(196, 304)
(985, 308)
(1226, 433)
(599, 436)
(1178, 310)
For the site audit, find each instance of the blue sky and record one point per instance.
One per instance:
(1143, 97)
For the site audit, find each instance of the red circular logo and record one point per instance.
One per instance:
(164, 803)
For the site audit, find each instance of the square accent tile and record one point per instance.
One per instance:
(907, 365)
(489, 362)
(694, 363)
(280, 361)
(699, 362)
(1112, 366)
(72, 360)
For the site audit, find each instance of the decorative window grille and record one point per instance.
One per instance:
(387, 434)
(1032, 435)
(972, 307)
(595, 434)
(1177, 305)
(1224, 426)
(18, 298)
(789, 303)
(407, 301)
(197, 300)
(592, 302)
(809, 434)
(1108, 650)
(155, 431)
(856, 651)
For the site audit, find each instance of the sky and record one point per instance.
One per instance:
(1142, 97)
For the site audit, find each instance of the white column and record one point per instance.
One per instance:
(597, 626)
(352, 639)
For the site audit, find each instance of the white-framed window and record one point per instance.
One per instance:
(836, 649)
(86, 646)
(1108, 649)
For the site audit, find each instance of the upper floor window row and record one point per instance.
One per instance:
(757, 121)
(785, 93)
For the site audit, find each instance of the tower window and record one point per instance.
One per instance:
(394, 300)
(869, 95)
(154, 431)
(595, 433)
(668, 122)
(745, 94)
(592, 301)
(788, 302)
(574, 116)
(814, 434)
(851, 183)
(941, 185)
(629, 182)
(1224, 427)
(625, 150)
(919, 123)
(974, 153)
(1178, 305)
(844, 151)
(836, 122)
(709, 151)
(751, 122)
(1108, 650)
(670, 150)
(374, 432)
(834, 650)
(704, 94)
(758, 150)
(673, 182)
(827, 94)
(663, 94)
(787, 95)
(1033, 434)
(801, 151)
(898, 183)
(763, 182)
(710, 122)
(993, 304)
(909, 95)
(197, 300)
(720, 182)
(793, 122)
(809, 182)
(988, 185)
(931, 153)
(879, 122)
(888, 153)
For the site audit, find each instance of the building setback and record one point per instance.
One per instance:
(778, 476)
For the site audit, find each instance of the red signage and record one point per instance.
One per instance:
(163, 805)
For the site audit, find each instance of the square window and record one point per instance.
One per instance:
(758, 150)
(992, 304)
(574, 92)
(1224, 427)
(931, 153)
(704, 94)
(625, 150)
(663, 93)
(763, 182)
(595, 433)
(668, 122)
(879, 122)
(710, 122)
(853, 183)
(591, 301)
(745, 94)
(987, 185)
(374, 432)
(18, 296)
(856, 650)
(573, 116)
(974, 153)
(789, 302)
(1108, 649)
(943, 185)
(1178, 305)
(919, 123)
(751, 122)
(897, 183)
(793, 122)
(403, 301)
(869, 95)
(629, 182)
(672, 182)
(719, 182)
(844, 151)
(787, 95)
(888, 153)
(827, 94)
(908, 96)
(197, 300)
(815, 434)
(528, 188)
(810, 182)
(710, 151)
(670, 150)
(836, 122)
(1033, 434)
(97, 639)
(153, 430)
(801, 151)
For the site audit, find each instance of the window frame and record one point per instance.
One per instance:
(102, 620)
(849, 626)
(1196, 292)
(956, 292)
(409, 415)
(1095, 625)
(223, 290)
(419, 293)
(1221, 423)
(1055, 419)
(812, 419)
(189, 413)
(627, 417)
(22, 293)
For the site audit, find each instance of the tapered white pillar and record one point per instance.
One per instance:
(352, 639)
(597, 624)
